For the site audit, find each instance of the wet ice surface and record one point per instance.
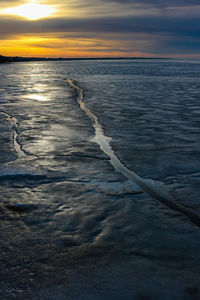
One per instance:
(71, 226)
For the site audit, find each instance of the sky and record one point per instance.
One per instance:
(100, 28)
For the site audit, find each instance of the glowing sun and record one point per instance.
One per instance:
(31, 11)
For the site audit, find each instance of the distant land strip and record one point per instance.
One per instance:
(8, 59)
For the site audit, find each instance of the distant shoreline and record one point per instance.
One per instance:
(8, 59)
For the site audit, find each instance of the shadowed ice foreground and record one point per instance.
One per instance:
(87, 183)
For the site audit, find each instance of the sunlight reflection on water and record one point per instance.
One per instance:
(37, 97)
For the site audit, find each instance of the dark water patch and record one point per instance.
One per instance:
(34, 179)
(73, 155)
(19, 177)
(193, 292)
(21, 207)
(68, 242)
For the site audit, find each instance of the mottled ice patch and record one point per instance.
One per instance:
(115, 187)
(11, 171)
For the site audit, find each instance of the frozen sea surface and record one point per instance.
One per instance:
(73, 224)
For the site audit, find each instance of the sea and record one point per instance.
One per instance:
(100, 179)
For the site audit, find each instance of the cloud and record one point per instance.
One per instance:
(159, 3)
(139, 24)
(155, 34)
(4, 4)
(153, 26)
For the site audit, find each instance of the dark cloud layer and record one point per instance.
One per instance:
(159, 3)
(139, 24)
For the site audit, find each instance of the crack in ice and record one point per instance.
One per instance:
(14, 122)
(149, 186)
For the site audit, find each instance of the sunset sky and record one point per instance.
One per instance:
(99, 28)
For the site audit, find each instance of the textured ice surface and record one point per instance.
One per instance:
(71, 226)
